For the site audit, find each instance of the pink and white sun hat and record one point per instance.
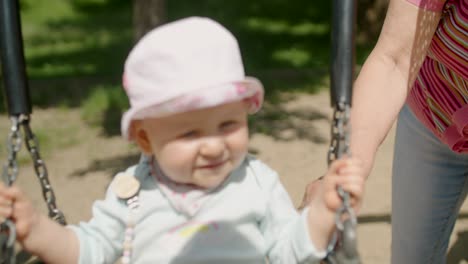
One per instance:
(188, 64)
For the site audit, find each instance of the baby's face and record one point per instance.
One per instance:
(199, 147)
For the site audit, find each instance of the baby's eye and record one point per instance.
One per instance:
(189, 134)
(228, 125)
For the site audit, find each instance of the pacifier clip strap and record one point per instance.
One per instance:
(127, 187)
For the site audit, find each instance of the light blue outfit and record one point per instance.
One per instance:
(430, 183)
(249, 219)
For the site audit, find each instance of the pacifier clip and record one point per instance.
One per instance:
(126, 187)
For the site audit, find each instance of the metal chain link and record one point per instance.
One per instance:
(339, 145)
(7, 242)
(41, 172)
(344, 248)
(10, 169)
(9, 174)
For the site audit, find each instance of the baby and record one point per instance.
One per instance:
(196, 196)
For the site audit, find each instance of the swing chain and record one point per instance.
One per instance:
(9, 174)
(343, 248)
(40, 168)
(339, 145)
(10, 169)
(7, 242)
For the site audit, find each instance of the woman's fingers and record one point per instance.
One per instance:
(349, 176)
(5, 201)
(355, 188)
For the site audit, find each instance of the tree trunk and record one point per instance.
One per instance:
(147, 14)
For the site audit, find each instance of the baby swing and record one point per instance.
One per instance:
(19, 109)
(342, 250)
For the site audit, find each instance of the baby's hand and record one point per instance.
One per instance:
(349, 174)
(323, 199)
(16, 206)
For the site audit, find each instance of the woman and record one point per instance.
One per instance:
(418, 72)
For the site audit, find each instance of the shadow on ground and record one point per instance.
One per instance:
(457, 252)
(275, 121)
(111, 165)
(93, 43)
(285, 45)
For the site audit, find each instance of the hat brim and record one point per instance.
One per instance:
(249, 89)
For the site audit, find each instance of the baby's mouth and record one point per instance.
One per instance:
(213, 165)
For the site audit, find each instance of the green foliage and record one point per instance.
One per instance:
(272, 34)
(94, 107)
(75, 49)
(50, 136)
(105, 106)
(76, 37)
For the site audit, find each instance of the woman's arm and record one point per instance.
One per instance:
(388, 74)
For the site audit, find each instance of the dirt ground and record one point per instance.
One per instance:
(80, 174)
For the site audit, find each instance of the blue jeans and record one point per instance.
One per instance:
(429, 185)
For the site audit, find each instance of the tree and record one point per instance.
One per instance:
(147, 14)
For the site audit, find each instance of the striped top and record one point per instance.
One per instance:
(439, 97)
(434, 5)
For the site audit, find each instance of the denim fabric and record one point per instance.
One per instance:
(429, 185)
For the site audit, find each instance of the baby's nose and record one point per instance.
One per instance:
(212, 147)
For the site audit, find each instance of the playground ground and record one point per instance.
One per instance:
(297, 150)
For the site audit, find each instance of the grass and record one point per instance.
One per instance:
(75, 50)
(51, 131)
(56, 137)
(75, 38)
(104, 107)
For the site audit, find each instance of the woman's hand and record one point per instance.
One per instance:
(323, 199)
(347, 173)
